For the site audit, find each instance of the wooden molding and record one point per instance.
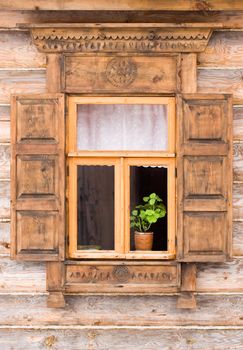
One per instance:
(117, 38)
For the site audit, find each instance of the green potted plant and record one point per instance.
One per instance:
(142, 217)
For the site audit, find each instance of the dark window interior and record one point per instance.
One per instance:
(95, 207)
(146, 180)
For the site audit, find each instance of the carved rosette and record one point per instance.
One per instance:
(68, 39)
(121, 71)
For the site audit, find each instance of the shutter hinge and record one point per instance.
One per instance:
(67, 170)
(175, 172)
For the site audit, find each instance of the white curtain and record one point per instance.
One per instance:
(122, 127)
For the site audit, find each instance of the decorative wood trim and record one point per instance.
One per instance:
(131, 277)
(106, 38)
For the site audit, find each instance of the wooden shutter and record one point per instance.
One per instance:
(204, 177)
(37, 177)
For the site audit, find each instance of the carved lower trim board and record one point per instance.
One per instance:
(122, 277)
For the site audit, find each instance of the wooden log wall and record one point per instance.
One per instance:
(112, 322)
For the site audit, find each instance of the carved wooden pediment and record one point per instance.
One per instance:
(119, 38)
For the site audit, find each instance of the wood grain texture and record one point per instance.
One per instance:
(4, 131)
(18, 82)
(4, 199)
(221, 81)
(4, 113)
(17, 51)
(225, 49)
(4, 238)
(167, 5)
(31, 310)
(228, 19)
(37, 191)
(238, 123)
(238, 238)
(238, 201)
(227, 277)
(98, 339)
(4, 160)
(21, 277)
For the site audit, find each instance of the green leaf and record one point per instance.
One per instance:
(152, 201)
(135, 212)
(152, 219)
(145, 199)
(149, 212)
(153, 195)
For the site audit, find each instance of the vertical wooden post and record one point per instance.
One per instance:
(186, 299)
(55, 271)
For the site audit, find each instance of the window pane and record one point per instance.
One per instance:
(144, 181)
(122, 127)
(95, 207)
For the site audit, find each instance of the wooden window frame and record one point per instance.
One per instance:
(121, 160)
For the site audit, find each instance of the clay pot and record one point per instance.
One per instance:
(143, 240)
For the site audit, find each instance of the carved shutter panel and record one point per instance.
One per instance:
(204, 177)
(37, 177)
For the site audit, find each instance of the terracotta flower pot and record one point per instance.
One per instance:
(143, 240)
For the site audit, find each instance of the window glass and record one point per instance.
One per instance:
(122, 127)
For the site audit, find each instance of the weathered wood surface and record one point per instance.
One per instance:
(5, 131)
(225, 49)
(238, 123)
(221, 81)
(227, 277)
(238, 202)
(21, 277)
(228, 19)
(118, 339)
(118, 5)
(30, 277)
(4, 199)
(17, 51)
(4, 237)
(18, 82)
(238, 238)
(5, 113)
(4, 160)
(31, 310)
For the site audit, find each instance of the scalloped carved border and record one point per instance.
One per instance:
(120, 40)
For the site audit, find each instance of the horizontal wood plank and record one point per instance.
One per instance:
(97, 339)
(238, 123)
(213, 310)
(18, 51)
(238, 162)
(225, 49)
(20, 82)
(4, 199)
(228, 19)
(227, 81)
(21, 277)
(5, 113)
(185, 5)
(238, 201)
(4, 160)
(226, 277)
(4, 131)
(238, 238)
(5, 238)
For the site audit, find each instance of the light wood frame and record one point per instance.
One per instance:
(121, 160)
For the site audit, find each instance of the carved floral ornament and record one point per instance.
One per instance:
(114, 38)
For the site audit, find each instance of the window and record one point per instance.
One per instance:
(119, 150)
